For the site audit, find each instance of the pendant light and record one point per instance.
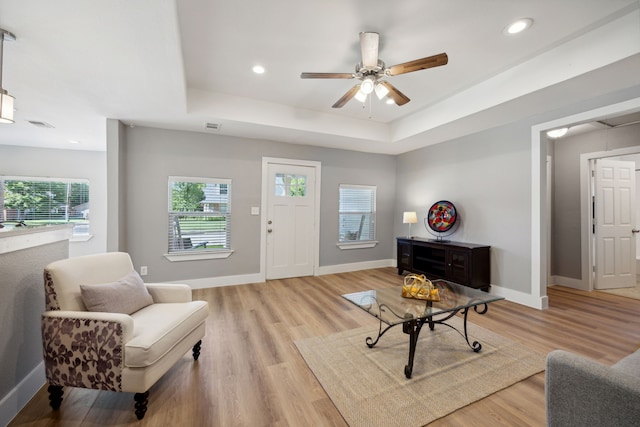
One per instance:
(6, 100)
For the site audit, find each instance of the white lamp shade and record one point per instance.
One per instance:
(409, 218)
(361, 96)
(381, 91)
(367, 85)
(6, 108)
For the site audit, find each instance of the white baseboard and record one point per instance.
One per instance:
(541, 303)
(529, 300)
(17, 398)
(356, 266)
(214, 282)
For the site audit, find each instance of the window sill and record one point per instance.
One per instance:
(81, 237)
(197, 256)
(357, 245)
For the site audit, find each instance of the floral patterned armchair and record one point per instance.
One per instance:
(105, 329)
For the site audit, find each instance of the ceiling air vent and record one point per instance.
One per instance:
(212, 126)
(40, 124)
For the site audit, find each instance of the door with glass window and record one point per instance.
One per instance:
(290, 221)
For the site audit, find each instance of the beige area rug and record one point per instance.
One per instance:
(369, 388)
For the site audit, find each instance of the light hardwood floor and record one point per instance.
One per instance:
(251, 374)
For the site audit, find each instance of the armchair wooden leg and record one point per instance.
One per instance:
(141, 403)
(196, 350)
(55, 395)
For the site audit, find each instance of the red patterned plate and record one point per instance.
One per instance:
(442, 216)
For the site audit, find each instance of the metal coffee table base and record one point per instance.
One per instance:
(412, 327)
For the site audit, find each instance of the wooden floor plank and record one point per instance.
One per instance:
(251, 374)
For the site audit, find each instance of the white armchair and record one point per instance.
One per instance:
(105, 329)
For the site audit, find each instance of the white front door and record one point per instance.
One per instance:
(290, 220)
(615, 210)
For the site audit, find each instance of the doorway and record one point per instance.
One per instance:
(291, 205)
(539, 220)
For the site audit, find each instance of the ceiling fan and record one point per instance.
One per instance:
(371, 72)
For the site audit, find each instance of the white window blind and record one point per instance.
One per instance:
(199, 214)
(45, 201)
(357, 213)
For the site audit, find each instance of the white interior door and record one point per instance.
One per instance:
(290, 221)
(615, 208)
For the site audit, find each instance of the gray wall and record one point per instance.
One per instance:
(566, 235)
(487, 177)
(116, 187)
(21, 283)
(21, 305)
(152, 155)
(91, 165)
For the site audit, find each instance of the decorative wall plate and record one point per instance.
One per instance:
(442, 216)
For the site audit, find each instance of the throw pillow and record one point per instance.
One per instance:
(127, 295)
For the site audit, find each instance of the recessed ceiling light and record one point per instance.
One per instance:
(73, 141)
(518, 26)
(258, 69)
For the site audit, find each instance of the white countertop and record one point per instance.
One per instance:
(19, 238)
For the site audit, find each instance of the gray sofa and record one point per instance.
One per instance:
(583, 392)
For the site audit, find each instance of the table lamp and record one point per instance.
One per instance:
(409, 218)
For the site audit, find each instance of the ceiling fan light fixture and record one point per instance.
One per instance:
(367, 85)
(381, 90)
(372, 68)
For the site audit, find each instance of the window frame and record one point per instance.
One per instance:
(358, 243)
(174, 254)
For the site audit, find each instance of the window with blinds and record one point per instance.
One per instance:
(45, 201)
(357, 213)
(199, 214)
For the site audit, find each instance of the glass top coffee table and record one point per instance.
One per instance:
(392, 309)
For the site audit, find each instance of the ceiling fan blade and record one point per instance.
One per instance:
(369, 49)
(326, 76)
(346, 97)
(418, 64)
(398, 97)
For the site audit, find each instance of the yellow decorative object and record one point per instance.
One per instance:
(419, 287)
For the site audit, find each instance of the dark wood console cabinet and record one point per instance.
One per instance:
(464, 263)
